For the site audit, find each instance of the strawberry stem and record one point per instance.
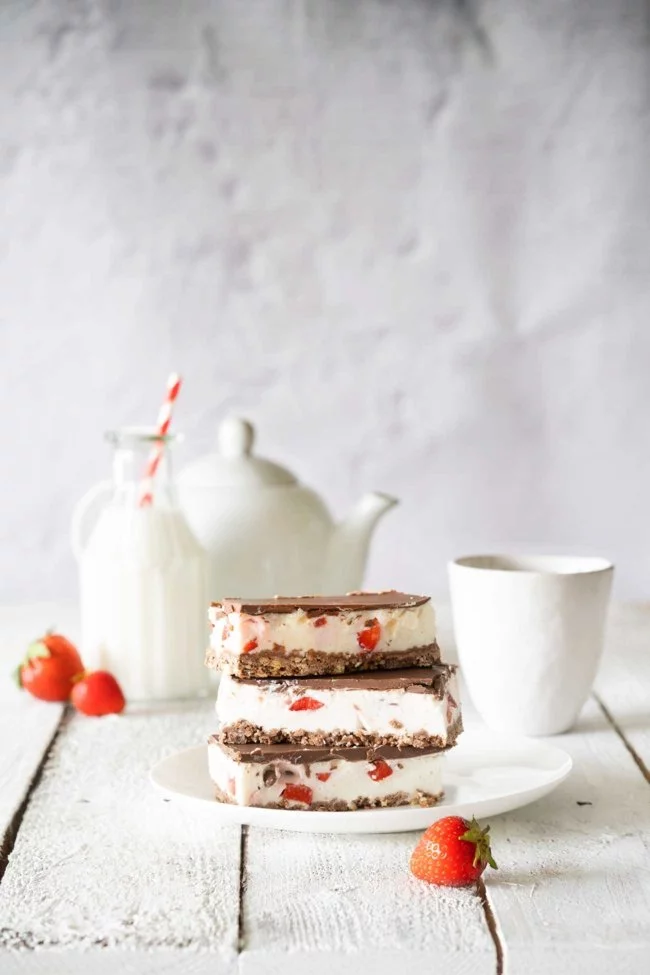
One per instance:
(481, 840)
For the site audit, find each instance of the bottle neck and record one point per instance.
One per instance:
(142, 474)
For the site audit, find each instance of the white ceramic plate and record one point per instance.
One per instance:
(484, 775)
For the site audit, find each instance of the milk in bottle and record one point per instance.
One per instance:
(143, 581)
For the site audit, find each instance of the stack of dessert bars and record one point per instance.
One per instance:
(330, 703)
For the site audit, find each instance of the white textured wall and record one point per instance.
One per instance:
(409, 239)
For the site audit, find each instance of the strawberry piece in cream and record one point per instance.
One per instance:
(306, 704)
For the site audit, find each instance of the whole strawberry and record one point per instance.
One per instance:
(49, 668)
(97, 693)
(452, 853)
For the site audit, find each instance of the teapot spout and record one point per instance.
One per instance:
(350, 541)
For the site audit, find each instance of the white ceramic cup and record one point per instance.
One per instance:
(529, 632)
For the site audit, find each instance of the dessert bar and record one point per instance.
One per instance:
(313, 635)
(290, 777)
(417, 707)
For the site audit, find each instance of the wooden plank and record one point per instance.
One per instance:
(26, 730)
(324, 903)
(103, 862)
(571, 894)
(115, 961)
(26, 725)
(623, 683)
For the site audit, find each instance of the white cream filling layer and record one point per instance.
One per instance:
(399, 630)
(347, 781)
(390, 712)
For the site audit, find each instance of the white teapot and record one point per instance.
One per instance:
(266, 534)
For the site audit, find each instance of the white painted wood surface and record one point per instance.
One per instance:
(26, 726)
(572, 893)
(106, 876)
(623, 683)
(101, 860)
(346, 895)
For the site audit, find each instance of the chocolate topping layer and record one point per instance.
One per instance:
(322, 605)
(301, 755)
(414, 680)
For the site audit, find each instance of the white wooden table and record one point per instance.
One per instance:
(104, 875)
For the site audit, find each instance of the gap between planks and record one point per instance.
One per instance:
(491, 922)
(8, 841)
(636, 758)
(243, 843)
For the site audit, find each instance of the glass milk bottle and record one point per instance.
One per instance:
(142, 576)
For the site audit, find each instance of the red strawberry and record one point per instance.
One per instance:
(251, 645)
(297, 793)
(369, 636)
(323, 776)
(321, 621)
(98, 693)
(380, 770)
(306, 704)
(452, 853)
(49, 668)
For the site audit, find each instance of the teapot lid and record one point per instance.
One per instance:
(234, 464)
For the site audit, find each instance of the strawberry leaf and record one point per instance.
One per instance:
(481, 840)
(17, 676)
(37, 649)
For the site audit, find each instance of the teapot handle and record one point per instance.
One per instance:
(79, 515)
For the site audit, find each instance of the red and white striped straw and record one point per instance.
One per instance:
(162, 427)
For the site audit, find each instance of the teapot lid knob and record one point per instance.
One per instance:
(236, 437)
(234, 464)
